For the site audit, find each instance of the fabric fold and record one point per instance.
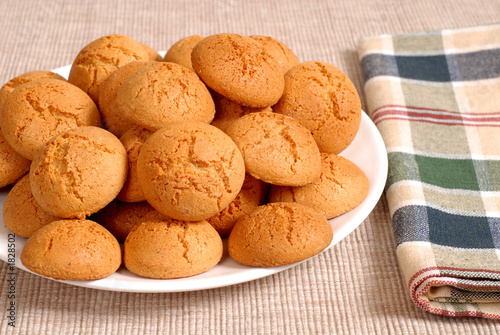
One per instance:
(435, 98)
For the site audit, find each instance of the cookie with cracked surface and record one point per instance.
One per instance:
(133, 141)
(112, 117)
(78, 172)
(239, 68)
(120, 217)
(98, 59)
(276, 148)
(21, 213)
(283, 54)
(162, 93)
(72, 250)
(24, 78)
(164, 248)
(13, 166)
(252, 195)
(227, 111)
(278, 234)
(190, 170)
(324, 100)
(39, 110)
(180, 51)
(341, 187)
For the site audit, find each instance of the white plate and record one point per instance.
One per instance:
(367, 151)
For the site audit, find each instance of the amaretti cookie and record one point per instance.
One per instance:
(98, 59)
(72, 250)
(119, 217)
(39, 110)
(324, 100)
(276, 148)
(78, 172)
(283, 54)
(279, 234)
(239, 68)
(12, 165)
(132, 141)
(153, 54)
(227, 111)
(252, 195)
(162, 93)
(21, 213)
(112, 117)
(165, 248)
(180, 51)
(190, 170)
(341, 186)
(24, 78)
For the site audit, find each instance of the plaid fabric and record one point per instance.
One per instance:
(435, 97)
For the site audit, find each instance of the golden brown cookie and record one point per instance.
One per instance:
(72, 250)
(119, 217)
(112, 118)
(12, 165)
(279, 234)
(180, 51)
(165, 248)
(78, 172)
(133, 140)
(252, 195)
(325, 101)
(39, 110)
(239, 68)
(276, 148)
(23, 79)
(285, 57)
(98, 59)
(227, 111)
(162, 93)
(341, 186)
(152, 53)
(190, 170)
(21, 213)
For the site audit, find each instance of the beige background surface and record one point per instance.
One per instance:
(353, 288)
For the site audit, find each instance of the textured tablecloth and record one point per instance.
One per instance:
(356, 287)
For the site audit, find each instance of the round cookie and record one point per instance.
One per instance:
(227, 111)
(133, 140)
(98, 59)
(112, 118)
(180, 51)
(165, 248)
(23, 79)
(162, 93)
(119, 217)
(276, 148)
(239, 68)
(37, 111)
(190, 170)
(252, 195)
(12, 165)
(21, 213)
(285, 57)
(72, 250)
(152, 53)
(341, 186)
(279, 234)
(325, 101)
(78, 172)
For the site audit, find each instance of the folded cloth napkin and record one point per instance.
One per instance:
(435, 98)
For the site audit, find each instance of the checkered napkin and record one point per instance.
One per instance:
(435, 98)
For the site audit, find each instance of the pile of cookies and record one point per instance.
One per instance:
(149, 162)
